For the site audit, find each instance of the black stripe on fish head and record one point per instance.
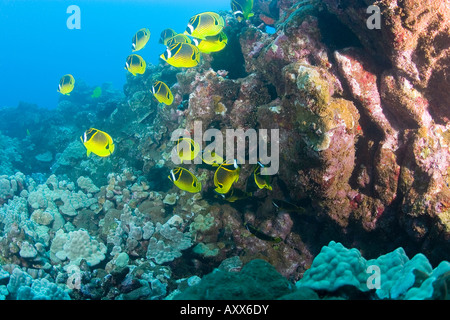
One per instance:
(89, 134)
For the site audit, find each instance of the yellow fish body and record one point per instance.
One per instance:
(212, 43)
(260, 180)
(235, 195)
(179, 38)
(242, 9)
(205, 24)
(140, 39)
(212, 158)
(98, 142)
(66, 84)
(185, 180)
(187, 149)
(135, 64)
(226, 174)
(182, 55)
(165, 35)
(162, 93)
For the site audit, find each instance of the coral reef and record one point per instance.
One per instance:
(364, 149)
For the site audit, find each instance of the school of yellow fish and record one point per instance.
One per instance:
(204, 34)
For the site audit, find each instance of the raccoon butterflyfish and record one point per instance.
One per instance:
(162, 92)
(187, 149)
(205, 24)
(235, 195)
(97, 142)
(285, 206)
(135, 64)
(260, 180)
(179, 38)
(165, 35)
(182, 55)
(211, 157)
(140, 39)
(212, 43)
(261, 235)
(242, 9)
(185, 180)
(226, 174)
(66, 84)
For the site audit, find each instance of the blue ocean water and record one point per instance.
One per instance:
(38, 47)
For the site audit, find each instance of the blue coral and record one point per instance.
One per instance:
(400, 277)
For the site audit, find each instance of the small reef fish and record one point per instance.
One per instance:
(204, 24)
(212, 158)
(185, 180)
(140, 39)
(235, 195)
(242, 9)
(166, 34)
(96, 93)
(98, 142)
(135, 64)
(162, 93)
(179, 38)
(212, 43)
(66, 84)
(260, 180)
(182, 55)
(189, 145)
(261, 235)
(285, 206)
(226, 174)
